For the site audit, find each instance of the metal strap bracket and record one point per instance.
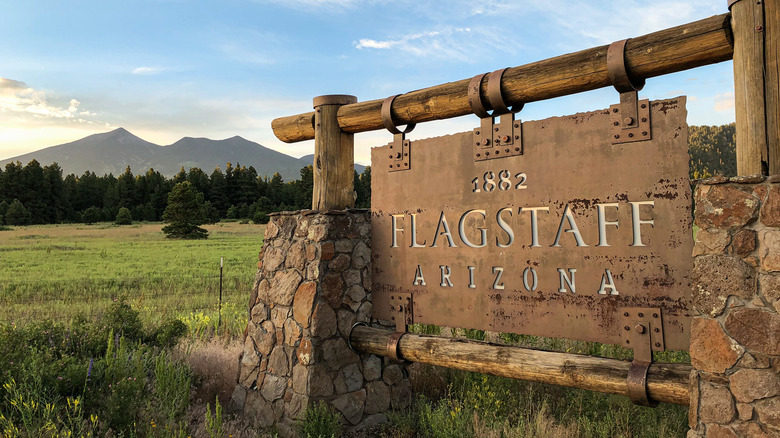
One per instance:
(400, 148)
(490, 140)
(401, 310)
(642, 331)
(631, 117)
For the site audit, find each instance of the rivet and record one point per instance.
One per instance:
(655, 315)
(644, 105)
(477, 132)
(627, 328)
(506, 150)
(644, 132)
(640, 314)
(627, 341)
(478, 143)
(656, 330)
(391, 146)
(630, 134)
(478, 155)
(391, 166)
(517, 137)
(390, 156)
(392, 297)
(495, 129)
(616, 123)
(617, 135)
(644, 119)
(505, 138)
(498, 152)
(397, 165)
(625, 314)
(406, 164)
(517, 125)
(658, 344)
(759, 28)
(614, 110)
(487, 154)
(517, 149)
(495, 141)
(406, 154)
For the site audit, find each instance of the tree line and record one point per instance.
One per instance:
(35, 194)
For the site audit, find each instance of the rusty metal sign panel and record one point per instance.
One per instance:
(566, 240)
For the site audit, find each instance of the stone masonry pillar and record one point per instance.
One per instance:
(735, 334)
(313, 283)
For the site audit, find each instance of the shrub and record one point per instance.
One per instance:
(123, 320)
(168, 333)
(17, 214)
(124, 217)
(91, 215)
(320, 422)
(260, 217)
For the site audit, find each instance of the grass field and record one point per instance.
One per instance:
(59, 271)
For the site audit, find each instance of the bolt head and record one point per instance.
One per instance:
(639, 328)
(505, 138)
(628, 120)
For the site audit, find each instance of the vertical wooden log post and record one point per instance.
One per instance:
(334, 156)
(755, 26)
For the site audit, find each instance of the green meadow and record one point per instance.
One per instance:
(61, 271)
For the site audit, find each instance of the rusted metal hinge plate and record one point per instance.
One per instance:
(400, 154)
(401, 310)
(497, 141)
(627, 128)
(642, 330)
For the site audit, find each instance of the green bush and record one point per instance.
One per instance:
(320, 422)
(91, 215)
(260, 217)
(123, 217)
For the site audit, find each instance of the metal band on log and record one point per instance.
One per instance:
(696, 44)
(668, 383)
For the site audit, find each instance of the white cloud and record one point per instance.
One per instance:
(448, 42)
(18, 99)
(724, 102)
(147, 70)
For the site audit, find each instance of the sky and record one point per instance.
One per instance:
(166, 69)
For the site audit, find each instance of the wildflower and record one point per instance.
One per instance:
(89, 370)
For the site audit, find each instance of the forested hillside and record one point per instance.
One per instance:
(35, 194)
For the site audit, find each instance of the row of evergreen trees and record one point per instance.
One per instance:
(35, 194)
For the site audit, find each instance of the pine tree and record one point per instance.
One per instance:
(91, 215)
(17, 214)
(124, 217)
(184, 213)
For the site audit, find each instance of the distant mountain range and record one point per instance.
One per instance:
(111, 152)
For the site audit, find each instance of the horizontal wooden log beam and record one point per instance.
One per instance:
(668, 383)
(703, 42)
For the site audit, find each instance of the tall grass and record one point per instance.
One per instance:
(60, 271)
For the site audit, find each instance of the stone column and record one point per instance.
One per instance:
(735, 334)
(313, 283)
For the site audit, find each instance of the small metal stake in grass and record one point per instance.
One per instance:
(219, 320)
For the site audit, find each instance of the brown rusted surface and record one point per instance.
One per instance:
(569, 166)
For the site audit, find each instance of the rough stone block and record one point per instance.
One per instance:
(716, 404)
(344, 245)
(283, 287)
(332, 288)
(354, 297)
(259, 313)
(265, 339)
(273, 258)
(744, 242)
(756, 329)
(348, 379)
(754, 361)
(372, 367)
(716, 277)
(351, 277)
(392, 374)
(744, 411)
(769, 249)
(337, 354)
(725, 206)
(259, 411)
(303, 303)
(401, 395)
(300, 378)
(323, 321)
(751, 430)
(770, 210)
(711, 349)
(305, 352)
(278, 363)
(273, 387)
(377, 397)
(320, 382)
(346, 319)
(361, 256)
(292, 332)
(340, 263)
(769, 285)
(716, 431)
(710, 242)
(327, 251)
(748, 385)
(237, 399)
(296, 256)
(296, 408)
(769, 412)
(351, 405)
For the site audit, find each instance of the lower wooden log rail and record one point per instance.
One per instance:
(668, 383)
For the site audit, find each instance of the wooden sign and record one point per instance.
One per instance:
(561, 233)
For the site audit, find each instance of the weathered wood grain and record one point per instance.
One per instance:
(333, 162)
(667, 383)
(747, 22)
(680, 48)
